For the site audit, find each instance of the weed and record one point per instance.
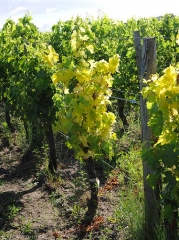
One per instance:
(5, 235)
(54, 180)
(129, 213)
(12, 211)
(56, 199)
(76, 211)
(28, 231)
(1, 182)
(27, 228)
(80, 181)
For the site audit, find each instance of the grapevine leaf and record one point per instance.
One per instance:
(168, 154)
(168, 212)
(156, 122)
(153, 179)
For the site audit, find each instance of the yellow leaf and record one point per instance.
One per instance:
(90, 48)
(177, 41)
(54, 78)
(83, 74)
(102, 67)
(114, 63)
(78, 88)
(84, 141)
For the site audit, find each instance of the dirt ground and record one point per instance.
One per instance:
(34, 206)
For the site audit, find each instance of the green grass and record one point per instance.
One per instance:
(129, 213)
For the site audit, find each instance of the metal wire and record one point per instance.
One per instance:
(127, 100)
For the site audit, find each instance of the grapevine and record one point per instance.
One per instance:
(86, 87)
(162, 94)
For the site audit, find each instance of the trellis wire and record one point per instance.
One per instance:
(119, 171)
(127, 100)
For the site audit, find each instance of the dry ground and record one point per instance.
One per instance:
(34, 206)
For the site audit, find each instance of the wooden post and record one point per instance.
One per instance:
(148, 68)
(146, 63)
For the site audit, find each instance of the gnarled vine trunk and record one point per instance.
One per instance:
(52, 154)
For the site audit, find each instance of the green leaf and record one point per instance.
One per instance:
(169, 155)
(156, 122)
(150, 157)
(9, 59)
(168, 212)
(153, 179)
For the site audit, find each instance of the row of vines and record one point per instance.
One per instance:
(63, 80)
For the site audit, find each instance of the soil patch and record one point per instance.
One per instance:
(35, 207)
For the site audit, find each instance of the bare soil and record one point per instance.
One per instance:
(33, 205)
